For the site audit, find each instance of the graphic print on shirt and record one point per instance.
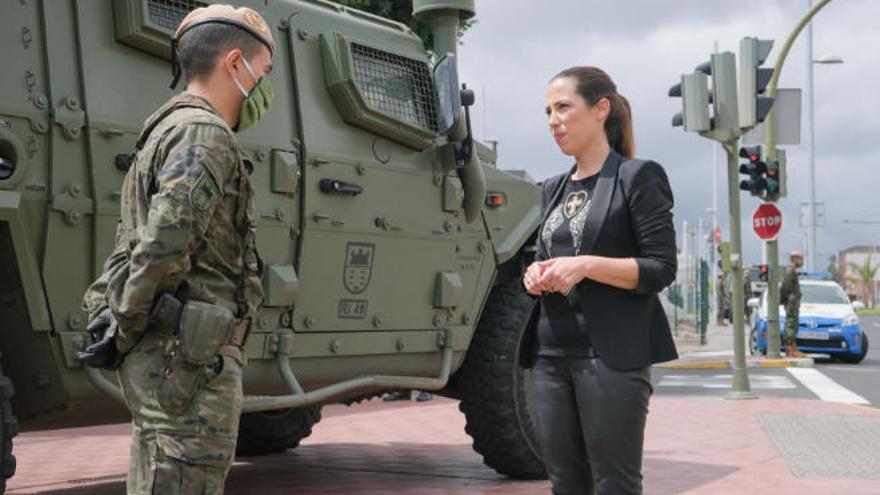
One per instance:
(574, 209)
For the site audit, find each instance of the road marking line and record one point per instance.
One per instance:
(826, 388)
(765, 382)
(711, 353)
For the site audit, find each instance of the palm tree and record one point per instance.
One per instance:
(864, 275)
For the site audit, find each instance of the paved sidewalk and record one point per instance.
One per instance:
(717, 352)
(694, 446)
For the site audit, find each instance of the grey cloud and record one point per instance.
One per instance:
(645, 45)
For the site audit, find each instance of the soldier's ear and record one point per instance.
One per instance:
(231, 60)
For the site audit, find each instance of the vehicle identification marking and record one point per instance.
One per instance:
(824, 387)
(817, 335)
(358, 266)
(352, 309)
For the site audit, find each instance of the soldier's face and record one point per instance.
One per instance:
(797, 261)
(261, 65)
(575, 125)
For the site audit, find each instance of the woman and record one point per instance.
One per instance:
(606, 247)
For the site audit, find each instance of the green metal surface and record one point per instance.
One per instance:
(379, 289)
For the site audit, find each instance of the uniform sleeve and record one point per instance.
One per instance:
(650, 201)
(785, 288)
(198, 161)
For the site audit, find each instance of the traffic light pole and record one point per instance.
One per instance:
(741, 388)
(770, 145)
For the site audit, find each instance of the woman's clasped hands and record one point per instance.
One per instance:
(556, 274)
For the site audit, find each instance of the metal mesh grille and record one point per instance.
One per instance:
(169, 13)
(397, 86)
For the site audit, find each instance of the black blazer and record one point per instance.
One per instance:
(630, 217)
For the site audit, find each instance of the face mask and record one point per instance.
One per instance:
(256, 103)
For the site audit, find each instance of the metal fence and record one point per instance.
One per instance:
(686, 301)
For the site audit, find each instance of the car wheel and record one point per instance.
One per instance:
(754, 350)
(857, 358)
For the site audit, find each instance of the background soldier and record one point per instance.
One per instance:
(178, 292)
(747, 294)
(722, 299)
(790, 294)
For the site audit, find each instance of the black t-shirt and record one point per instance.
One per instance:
(564, 333)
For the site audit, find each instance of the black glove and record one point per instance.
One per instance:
(102, 353)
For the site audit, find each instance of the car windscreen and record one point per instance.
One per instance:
(822, 294)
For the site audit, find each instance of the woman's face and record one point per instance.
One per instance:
(574, 124)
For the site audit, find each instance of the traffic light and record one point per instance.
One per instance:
(725, 262)
(753, 79)
(694, 93)
(776, 186)
(722, 68)
(765, 273)
(756, 169)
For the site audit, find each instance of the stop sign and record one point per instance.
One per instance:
(767, 221)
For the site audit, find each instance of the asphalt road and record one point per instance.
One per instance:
(848, 382)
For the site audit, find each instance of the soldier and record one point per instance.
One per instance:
(722, 299)
(173, 307)
(747, 293)
(790, 295)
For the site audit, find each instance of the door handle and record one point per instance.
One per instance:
(333, 186)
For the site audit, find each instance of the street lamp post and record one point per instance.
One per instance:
(770, 145)
(811, 141)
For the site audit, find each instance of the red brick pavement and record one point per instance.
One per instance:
(694, 446)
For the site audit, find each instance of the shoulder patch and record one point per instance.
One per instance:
(203, 193)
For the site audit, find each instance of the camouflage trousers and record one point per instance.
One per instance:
(180, 454)
(792, 319)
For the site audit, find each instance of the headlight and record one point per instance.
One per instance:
(850, 320)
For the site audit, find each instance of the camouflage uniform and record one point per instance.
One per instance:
(790, 294)
(722, 296)
(187, 229)
(747, 294)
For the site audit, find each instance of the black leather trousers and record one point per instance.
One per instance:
(591, 424)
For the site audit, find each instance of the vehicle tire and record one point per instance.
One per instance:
(493, 389)
(753, 343)
(856, 358)
(8, 430)
(271, 432)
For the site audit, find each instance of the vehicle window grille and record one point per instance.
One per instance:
(397, 86)
(169, 13)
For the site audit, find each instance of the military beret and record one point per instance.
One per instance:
(243, 18)
(246, 19)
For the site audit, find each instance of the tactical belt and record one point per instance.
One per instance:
(240, 329)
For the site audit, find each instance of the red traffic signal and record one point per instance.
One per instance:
(756, 169)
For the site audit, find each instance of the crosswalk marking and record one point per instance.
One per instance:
(724, 381)
(826, 388)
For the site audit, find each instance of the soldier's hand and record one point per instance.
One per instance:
(102, 353)
(97, 328)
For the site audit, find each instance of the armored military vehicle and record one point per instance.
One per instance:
(393, 245)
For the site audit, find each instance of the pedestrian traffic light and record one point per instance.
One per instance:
(753, 80)
(765, 273)
(756, 183)
(694, 93)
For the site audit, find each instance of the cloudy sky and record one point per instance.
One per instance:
(645, 45)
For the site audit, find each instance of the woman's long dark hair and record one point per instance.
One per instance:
(593, 84)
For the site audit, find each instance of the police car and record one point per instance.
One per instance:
(828, 323)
